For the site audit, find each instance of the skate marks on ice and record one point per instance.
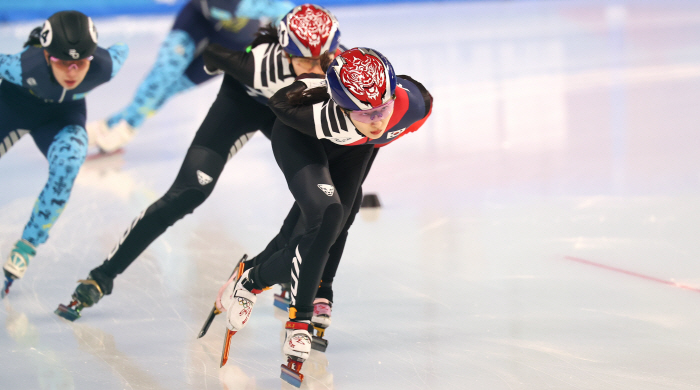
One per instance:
(47, 369)
(102, 345)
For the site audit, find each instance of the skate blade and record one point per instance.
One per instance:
(6, 287)
(67, 313)
(319, 344)
(290, 376)
(227, 345)
(281, 302)
(213, 313)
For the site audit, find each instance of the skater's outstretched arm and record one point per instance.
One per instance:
(299, 116)
(11, 68)
(232, 62)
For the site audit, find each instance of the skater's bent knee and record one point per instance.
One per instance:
(332, 220)
(173, 206)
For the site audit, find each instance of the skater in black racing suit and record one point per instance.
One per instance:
(325, 148)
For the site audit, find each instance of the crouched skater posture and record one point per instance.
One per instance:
(272, 62)
(42, 93)
(324, 148)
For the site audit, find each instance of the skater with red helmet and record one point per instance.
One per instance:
(325, 146)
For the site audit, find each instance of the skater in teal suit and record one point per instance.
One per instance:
(42, 93)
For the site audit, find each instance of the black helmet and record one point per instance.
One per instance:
(69, 35)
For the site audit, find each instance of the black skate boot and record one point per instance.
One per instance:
(88, 293)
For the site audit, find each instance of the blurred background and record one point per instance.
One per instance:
(538, 232)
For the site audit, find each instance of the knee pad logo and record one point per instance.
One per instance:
(327, 189)
(203, 178)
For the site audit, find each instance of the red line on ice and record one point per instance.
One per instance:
(631, 273)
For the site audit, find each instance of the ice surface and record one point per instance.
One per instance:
(560, 129)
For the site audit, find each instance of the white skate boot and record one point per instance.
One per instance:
(109, 139)
(225, 290)
(239, 305)
(17, 263)
(296, 347)
(321, 320)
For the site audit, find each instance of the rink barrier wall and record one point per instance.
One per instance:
(15, 10)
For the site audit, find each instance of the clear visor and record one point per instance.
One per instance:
(375, 114)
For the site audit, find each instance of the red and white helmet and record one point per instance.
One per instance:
(361, 79)
(308, 30)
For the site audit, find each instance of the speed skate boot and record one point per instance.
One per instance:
(321, 320)
(88, 293)
(239, 305)
(282, 299)
(17, 264)
(226, 289)
(296, 347)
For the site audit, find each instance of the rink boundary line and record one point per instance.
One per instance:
(632, 273)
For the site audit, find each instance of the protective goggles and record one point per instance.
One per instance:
(375, 114)
(72, 64)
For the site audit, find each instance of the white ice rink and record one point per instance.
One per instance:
(539, 232)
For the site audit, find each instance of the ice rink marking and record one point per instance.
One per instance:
(632, 273)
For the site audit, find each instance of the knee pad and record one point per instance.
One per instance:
(194, 183)
(331, 223)
(173, 206)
